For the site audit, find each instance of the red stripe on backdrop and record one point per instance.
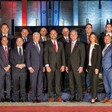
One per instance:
(55, 109)
(24, 12)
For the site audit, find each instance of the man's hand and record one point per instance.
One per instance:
(67, 69)
(62, 69)
(7, 68)
(80, 70)
(48, 69)
(31, 70)
(96, 71)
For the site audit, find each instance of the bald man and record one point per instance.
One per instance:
(34, 60)
(54, 59)
(107, 69)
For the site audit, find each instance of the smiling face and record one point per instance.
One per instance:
(88, 29)
(19, 42)
(107, 39)
(5, 29)
(73, 35)
(53, 34)
(36, 37)
(24, 33)
(43, 32)
(65, 32)
(4, 41)
(108, 28)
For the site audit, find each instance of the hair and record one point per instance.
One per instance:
(24, 28)
(89, 24)
(4, 37)
(65, 28)
(19, 37)
(96, 39)
(4, 24)
(73, 30)
(36, 33)
(108, 24)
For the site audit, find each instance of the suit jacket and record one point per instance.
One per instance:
(107, 58)
(75, 59)
(29, 39)
(34, 59)
(62, 39)
(47, 38)
(11, 40)
(54, 59)
(15, 59)
(83, 39)
(96, 57)
(3, 61)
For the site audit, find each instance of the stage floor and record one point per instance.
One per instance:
(55, 104)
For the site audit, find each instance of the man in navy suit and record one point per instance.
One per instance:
(18, 62)
(5, 32)
(85, 39)
(107, 69)
(5, 76)
(64, 39)
(108, 31)
(34, 59)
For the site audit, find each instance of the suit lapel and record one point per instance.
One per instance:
(75, 47)
(108, 48)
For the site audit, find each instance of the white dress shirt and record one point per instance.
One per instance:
(5, 35)
(90, 53)
(73, 44)
(110, 34)
(21, 50)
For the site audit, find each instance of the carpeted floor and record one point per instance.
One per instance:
(55, 109)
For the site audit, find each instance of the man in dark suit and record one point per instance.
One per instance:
(5, 76)
(43, 39)
(17, 59)
(26, 40)
(5, 32)
(85, 39)
(54, 59)
(108, 31)
(64, 39)
(43, 33)
(75, 57)
(34, 59)
(25, 37)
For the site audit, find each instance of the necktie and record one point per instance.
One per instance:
(88, 39)
(20, 51)
(103, 52)
(38, 47)
(25, 40)
(6, 53)
(67, 39)
(72, 46)
(55, 47)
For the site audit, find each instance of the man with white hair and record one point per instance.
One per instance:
(75, 57)
(34, 60)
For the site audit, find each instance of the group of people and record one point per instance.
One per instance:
(34, 64)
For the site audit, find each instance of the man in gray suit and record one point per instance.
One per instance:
(75, 57)
(18, 62)
(54, 59)
(5, 75)
(34, 60)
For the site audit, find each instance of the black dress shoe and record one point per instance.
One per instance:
(72, 100)
(2, 100)
(38, 101)
(8, 100)
(34, 101)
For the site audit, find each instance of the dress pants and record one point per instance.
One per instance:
(107, 80)
(5, 80)
(36, 80)
(19, 85)
(74, 76)
(93, 81)
(50, 77)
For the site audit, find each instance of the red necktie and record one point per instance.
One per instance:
(55, 47)
(6, 53)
